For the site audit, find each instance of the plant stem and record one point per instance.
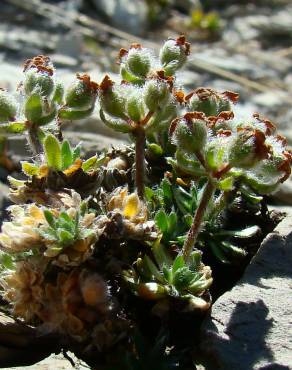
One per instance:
(197, 221)
(140, 160)
(34, 140)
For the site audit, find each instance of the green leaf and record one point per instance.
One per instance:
(218, 253)
(118, 125)
(76, 152)
(172, 223)
(242, 234)
(15, 183)
(6, 261)
(49, 234)
(83, 207)
(182, 200)
(149, 194)
(50, 218)
(13, 128)
(67, 154)
(166, 188)
(182, 278)
(226, 184)
(30, 169)
(53, 152)
(58, 94)
(161, 220)
(155, 149)
(73, 114)
(33, 107)
(251, 196)
(161, 255)
(65, 237)
(44, 120)
(85, 233)
(236, 251)
(178, 263)
(152, 268)
(64, 216)
(89, 163)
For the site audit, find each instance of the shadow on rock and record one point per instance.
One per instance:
(240, 348)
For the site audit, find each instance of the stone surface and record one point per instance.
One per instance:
(21, 345)
(283, 194)
(55, 362)
(249, 327)
(128, 15)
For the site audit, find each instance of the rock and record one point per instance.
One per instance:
(71, 45)
(55, 362)
(278, 24)
(26, 41)
(91, 143)
(249, 327)
(64, 61)
(284, 193)
(10, 75)
(130, 16)
(17, 341)
(271, 99)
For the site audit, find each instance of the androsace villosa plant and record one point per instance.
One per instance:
(106, 250)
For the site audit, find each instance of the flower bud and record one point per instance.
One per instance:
(208, 106)
(112, 98)
(39, 76)
(210, 102)
(41, 82)
(82, 93)
(155, 94)
(134, 107)
(189, 133)
(8, 107)
(138, 62)
(173, 54)
(248, 147)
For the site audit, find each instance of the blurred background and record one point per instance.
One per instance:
(244, 46)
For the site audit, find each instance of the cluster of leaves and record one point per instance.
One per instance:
(173, 204)
(162, 276)
(148, 242)
(64, 230)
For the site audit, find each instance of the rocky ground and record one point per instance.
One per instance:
(250, 52)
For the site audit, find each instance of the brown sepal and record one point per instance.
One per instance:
(91, 85)
(41, 63)
(232, 96)
(270, 126)
(106, 83)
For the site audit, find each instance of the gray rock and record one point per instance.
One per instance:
(249, 327)
(283, 194)
(127, 15)
(271, 99)
(55, 362)
(91, 143)
(17, 341)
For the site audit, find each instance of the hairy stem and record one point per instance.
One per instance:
(34, 140)
(140, 160)
(197, 221)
